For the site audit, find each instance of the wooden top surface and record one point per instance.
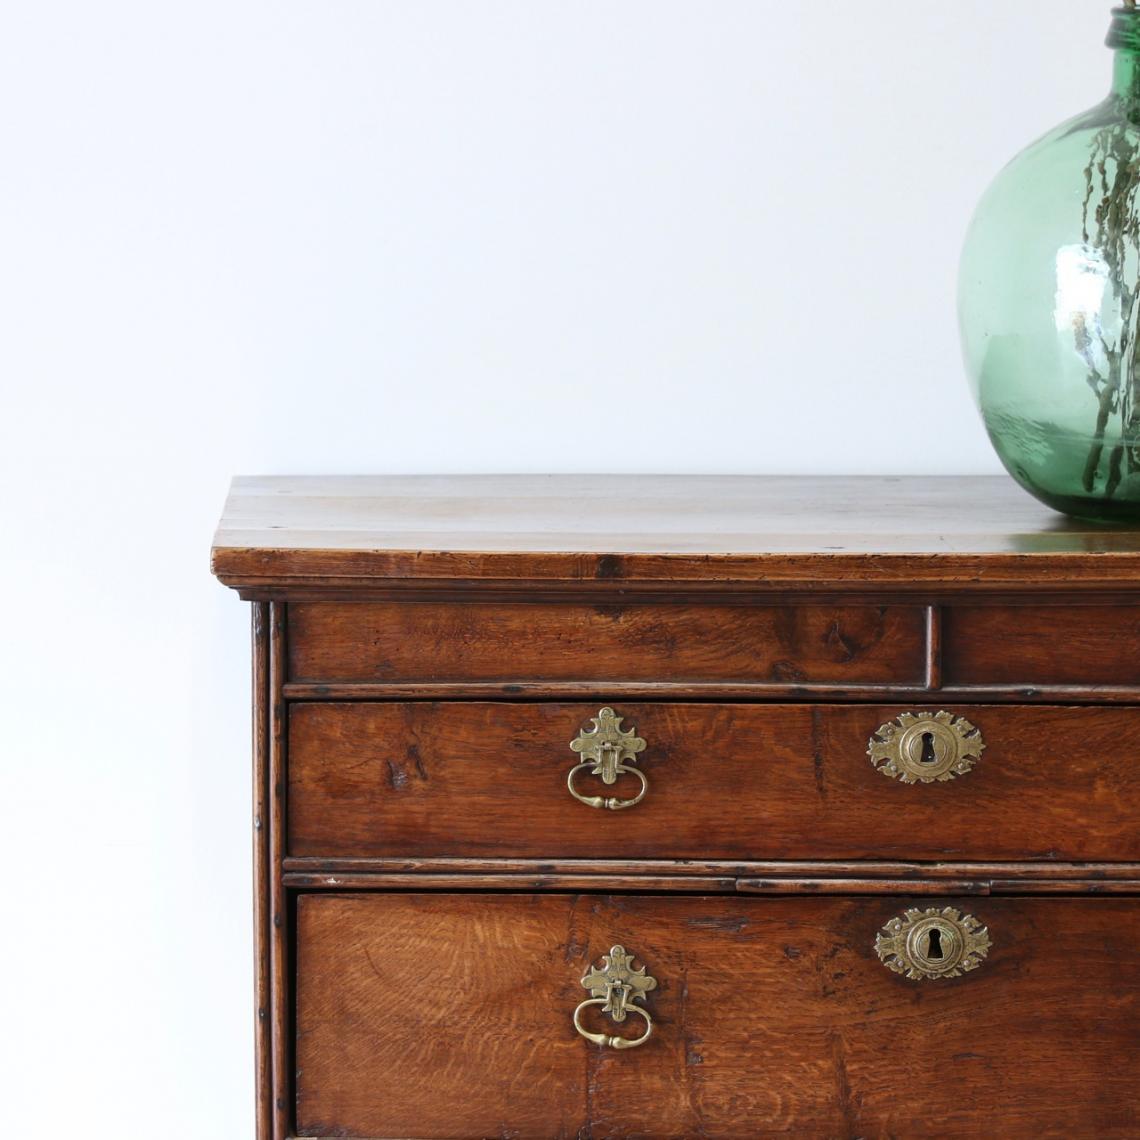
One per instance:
(784, 531)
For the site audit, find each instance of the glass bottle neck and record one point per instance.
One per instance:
(1126, 76)
(1124, 39)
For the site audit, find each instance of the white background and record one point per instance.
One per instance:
(408, 235)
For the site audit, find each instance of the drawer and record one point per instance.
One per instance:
(489, 779)
(792, 644)
(451, 1016)
(1041, 645)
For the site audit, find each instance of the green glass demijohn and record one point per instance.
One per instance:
(1049, 303)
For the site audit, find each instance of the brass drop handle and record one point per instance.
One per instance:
(607, 751)
(921, 748)
(932, 943)
(616, 987)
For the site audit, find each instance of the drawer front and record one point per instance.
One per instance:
(401, 641)
(721, 782)
(1042, 645)
(451, 1015)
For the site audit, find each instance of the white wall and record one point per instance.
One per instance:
(409, 235)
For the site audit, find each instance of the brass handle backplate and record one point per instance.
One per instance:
(616, 987)
(933, 943)
(921, 748)
(607, 751)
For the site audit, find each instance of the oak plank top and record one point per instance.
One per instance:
(776, 531)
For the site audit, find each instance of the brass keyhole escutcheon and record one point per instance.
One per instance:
(924, 748)
(933, 943)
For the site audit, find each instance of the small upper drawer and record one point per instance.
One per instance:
(1041, 645)
(780, 644)
(490, 779)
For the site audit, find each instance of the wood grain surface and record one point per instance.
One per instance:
(902, 532)
(459, 641)
(725, 781)
(449, 1016)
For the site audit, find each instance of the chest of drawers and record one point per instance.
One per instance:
(595, 807)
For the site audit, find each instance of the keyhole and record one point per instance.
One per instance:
(934, 944)
(928, 756)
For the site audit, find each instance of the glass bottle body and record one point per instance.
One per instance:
(1049, 304)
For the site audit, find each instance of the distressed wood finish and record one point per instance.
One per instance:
(264, 874)
(710, 691)
(979, 881)
(425, 648)
(725, 781)
(344, 872)
(458, 641)
(277, 949)
(284, 532)
(445, 1016)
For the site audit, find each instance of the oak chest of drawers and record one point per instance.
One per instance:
(664, 807)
